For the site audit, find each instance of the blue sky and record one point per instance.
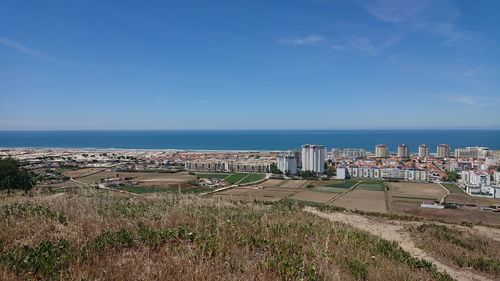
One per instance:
(270, 64)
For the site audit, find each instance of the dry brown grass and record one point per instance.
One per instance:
(182, 237)
(460, 247)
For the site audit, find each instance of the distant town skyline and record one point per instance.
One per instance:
(203, 65)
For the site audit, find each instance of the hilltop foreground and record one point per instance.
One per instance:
(89, 234)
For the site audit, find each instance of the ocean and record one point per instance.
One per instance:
(247, 139)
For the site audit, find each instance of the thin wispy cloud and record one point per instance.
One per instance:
(366, 45)
(413, 16)
(473, 101)
(299, 41)
(18, 46)
(394, 10)
(473, 71)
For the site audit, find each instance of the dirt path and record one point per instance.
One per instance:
(394, 231)
(343, 193)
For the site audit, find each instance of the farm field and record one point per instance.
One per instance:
(213, 175)
(272, 183)
(343, 184)
(81, 172)
(252, 178)
(140, 177)
(472, 215)
(328, 189)
(453, 188)
(294, 184)
(364, 200)
(147, 189)
(313, 196)
(266, 192)
(428, 191)
(234, 178)
(371, 185)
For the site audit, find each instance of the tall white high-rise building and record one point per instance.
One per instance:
(287, 163)
(403, 151)
(423, 151)
(313, 158)
(381, 151)
(443, 151)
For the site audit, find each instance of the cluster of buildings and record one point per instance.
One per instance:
(480, 183)
(390, 174)
(422, 166)
(230, 165)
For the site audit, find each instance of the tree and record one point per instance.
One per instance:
(330, 171)
(275, 170)
(12, 176)
(308, 175)
(452, 176)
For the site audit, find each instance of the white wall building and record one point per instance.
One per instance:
(341, 173)
(348, 153)
(313, 158)
(413, 175)
(476, 178)
(403, 151)
(496, 177)
(443, 151)
(287, 163)
(381, 151)
(423, 151)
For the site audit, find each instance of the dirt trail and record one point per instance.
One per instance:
(394, 231)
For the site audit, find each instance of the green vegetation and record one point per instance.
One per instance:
(452, 176)
(453, 188)
(234, 178)
(212, 176)
(343, 184)
(21, 211)
(309, 175)
(460, 247)
(371, 185)
(12, 176)
(328, 189)
(192, 238)
(148, 189)
(252, 178)
(275, 170)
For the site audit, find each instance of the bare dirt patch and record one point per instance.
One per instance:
(364, 200)
(272, 183)
(294, 183)
(417, 190)
(313, 196)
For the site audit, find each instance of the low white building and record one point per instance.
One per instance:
(412, 175)
(496, 177)
(476, 178)
(341, 173)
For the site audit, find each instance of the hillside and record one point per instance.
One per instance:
(88, 235)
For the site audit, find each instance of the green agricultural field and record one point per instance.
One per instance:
(252, 178)
(343, 184)
(453, 188)
(372, 185)
(213, 175)
(328, 189)
(234, 178)
(149, 189)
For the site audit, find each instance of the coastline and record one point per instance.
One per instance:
(142, 150)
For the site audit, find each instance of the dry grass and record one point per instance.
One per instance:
(459, 247)
(181, 237)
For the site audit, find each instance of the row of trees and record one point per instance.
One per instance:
(13, 176)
